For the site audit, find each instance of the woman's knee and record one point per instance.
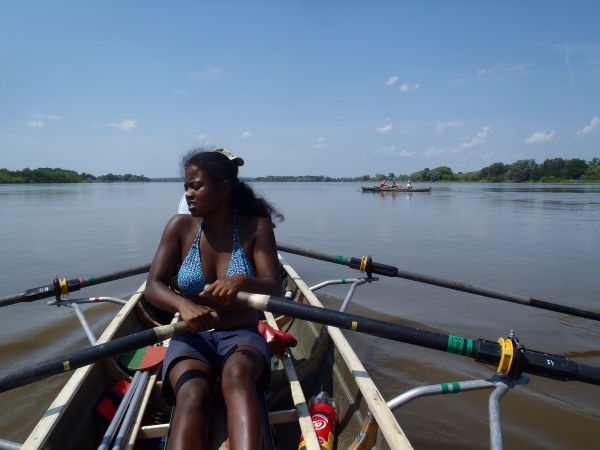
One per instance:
(194, 395)
(192, 383)
(242, 369)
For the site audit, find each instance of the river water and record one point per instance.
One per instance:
(542, 241)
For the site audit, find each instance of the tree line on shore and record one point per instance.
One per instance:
(525, 170)
(56, 175)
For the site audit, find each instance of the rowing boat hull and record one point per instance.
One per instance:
(323, 359)
(377, 189)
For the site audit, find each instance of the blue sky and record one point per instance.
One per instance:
(332, 88)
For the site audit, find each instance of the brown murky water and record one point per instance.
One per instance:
(539, 241)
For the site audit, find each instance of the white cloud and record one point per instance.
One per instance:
(403, 131)
(201, 136)
(44, 116)
(517, 67)
(479, 139)
(405, 153)
(35, 124)
(433, 152)
(386, 151)
(484, 71)
(392, 80)
(540, 136)
(385, 129)
(321, 143)
(246, 134)
(125, 125)
(442, 126)
(210, 73)
(593, 124)
(406, 88)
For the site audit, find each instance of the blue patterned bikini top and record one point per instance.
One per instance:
(191, 279)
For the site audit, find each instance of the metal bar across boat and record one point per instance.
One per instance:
(391, 271)
(533, 362)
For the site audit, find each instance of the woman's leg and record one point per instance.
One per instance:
(192, 381)
(239, 375)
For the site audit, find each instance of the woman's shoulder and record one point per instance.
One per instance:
(257, 228)
(182, 223)
(253, 223)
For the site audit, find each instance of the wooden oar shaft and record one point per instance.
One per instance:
(381, 269)
(534, 362)
(20, 377)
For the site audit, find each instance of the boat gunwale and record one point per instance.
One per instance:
(388, 424)
(40, 434)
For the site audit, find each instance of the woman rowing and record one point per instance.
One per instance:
(224, 246)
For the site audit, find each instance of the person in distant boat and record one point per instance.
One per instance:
(224, 245)
(409, 185)
(382, 185)
(394, 185)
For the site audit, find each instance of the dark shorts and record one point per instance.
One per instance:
(213, 348)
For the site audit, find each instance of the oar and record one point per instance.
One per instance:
(528, 361)
(366, 265)
(20, 377)
(60, 287)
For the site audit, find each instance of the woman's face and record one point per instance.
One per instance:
(201, 195)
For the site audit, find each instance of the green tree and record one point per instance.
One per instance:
(575, 168)
(553, 167)
(494, 172)
(442, 173)
(521, 170)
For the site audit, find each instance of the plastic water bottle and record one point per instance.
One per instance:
(323, 412)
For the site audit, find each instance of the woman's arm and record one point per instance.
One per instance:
(165, 261)
(267, 279)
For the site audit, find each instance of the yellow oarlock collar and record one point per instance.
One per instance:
(63, 286)
(507, 357)
(363, 264)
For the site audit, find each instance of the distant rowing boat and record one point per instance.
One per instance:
(378, 189)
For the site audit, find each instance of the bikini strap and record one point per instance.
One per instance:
(236, 236)
(197, 240)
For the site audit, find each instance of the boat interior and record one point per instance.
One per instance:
(322, 361)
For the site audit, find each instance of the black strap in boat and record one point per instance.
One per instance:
(264, 411)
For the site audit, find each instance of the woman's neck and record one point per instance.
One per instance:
(220, 222)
